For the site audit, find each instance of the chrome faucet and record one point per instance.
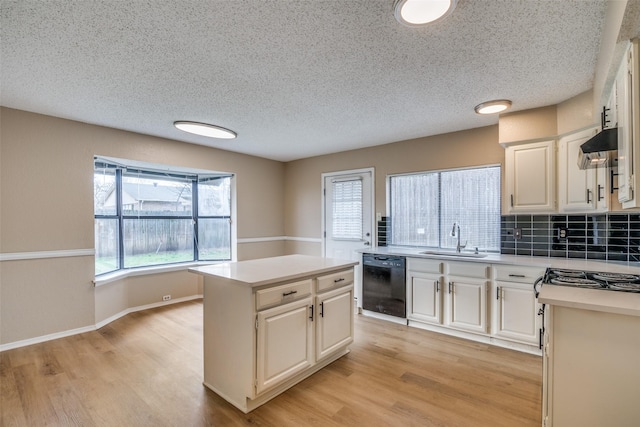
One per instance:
(456, 231)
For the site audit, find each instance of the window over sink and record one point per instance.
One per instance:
(423, 208)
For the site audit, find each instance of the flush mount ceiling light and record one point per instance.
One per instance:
(204, 129)
(492, 107)
(414, 13)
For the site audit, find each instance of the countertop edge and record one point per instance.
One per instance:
(590, 299)
(243, 272)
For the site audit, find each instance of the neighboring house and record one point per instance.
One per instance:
(152, 198)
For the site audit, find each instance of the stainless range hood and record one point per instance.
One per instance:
(601, 150)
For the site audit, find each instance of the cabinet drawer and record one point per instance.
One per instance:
(330, 281)
(470, 269)
(424, 265)
(282, 294)
(518, 273)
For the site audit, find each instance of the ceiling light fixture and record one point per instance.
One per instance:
(204, 129)
(492, 107)
(415, 13)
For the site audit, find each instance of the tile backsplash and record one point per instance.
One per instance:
(384, 231)
(606, 236)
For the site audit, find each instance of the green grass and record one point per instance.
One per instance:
(107, 264)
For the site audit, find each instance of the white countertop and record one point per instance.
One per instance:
(627, 303)
(533, 261)
(266, 271)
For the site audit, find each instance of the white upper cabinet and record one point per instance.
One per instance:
(628, 121)
(580, 190)
(530, 177)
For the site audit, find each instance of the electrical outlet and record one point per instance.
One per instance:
(517, 233)
(166, 298)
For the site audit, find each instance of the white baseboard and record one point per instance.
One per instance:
(144, 307)
(63, 334)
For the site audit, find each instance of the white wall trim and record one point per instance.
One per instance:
(305, 239)
(63, 334)
(279, 238)
(16, 256)
(261, 239)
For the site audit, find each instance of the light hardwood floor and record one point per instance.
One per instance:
(145, 369)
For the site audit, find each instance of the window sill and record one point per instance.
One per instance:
(141, 271)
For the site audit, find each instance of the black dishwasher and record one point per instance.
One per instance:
(383, 284)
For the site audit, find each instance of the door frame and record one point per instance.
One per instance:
(326, 175)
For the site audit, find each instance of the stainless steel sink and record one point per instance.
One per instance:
(455, 254)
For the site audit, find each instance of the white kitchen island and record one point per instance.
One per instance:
(270, 323)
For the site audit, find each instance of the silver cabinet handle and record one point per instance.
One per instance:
(437, 284)
(450, 286)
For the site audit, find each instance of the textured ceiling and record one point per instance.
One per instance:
(294, 78)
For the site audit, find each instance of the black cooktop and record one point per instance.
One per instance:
(622, 282)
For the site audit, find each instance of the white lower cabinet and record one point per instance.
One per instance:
(284, 346)
(425, 301)
(484, 302)
(467, 290)
(515, 313)
(424, 290)
(468, 304)
(334, 321)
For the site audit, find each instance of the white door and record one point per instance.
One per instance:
(348, 213)
(348, 220)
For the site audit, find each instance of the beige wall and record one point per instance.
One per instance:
(46, 185)
(46, 204)
(576, 113)
(303, 185)
(529, 124)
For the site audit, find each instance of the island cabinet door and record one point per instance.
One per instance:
(285, 343)
(334, 321)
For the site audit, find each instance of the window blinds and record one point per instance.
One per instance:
(423, 208)
(347, 209)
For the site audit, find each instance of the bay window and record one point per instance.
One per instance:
(147, 217)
